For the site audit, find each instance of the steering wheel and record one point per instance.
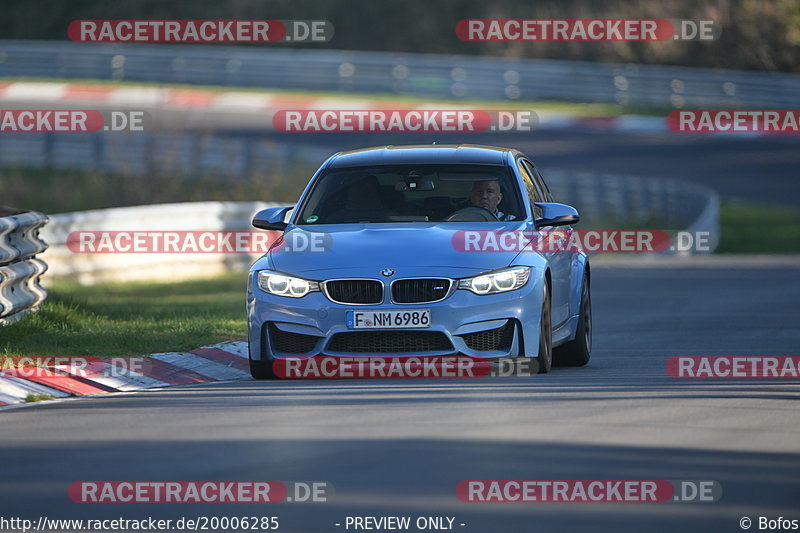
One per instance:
(471, 213)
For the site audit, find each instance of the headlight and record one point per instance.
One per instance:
(494, 282)
(283, 285)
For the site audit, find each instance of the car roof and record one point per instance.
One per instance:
(422, 154)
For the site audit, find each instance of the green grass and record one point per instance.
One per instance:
(30, 398)
(743, 229)
(130, 319)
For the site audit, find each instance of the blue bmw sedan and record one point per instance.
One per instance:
(420, 251)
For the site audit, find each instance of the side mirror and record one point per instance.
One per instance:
(556, 215)
(272, 218)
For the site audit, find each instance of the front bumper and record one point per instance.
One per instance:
(489, 326)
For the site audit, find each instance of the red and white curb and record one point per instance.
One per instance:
(226, 361)
(243, 102)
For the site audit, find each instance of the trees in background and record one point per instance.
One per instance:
(756, 34)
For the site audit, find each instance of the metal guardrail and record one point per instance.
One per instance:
(655, 203)
(424, 75)
(20, 271)
(89, 268)
(228, 155)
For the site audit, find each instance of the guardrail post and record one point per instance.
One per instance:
(98, 152)
(49, 141)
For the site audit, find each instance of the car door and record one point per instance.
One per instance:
(560, 261)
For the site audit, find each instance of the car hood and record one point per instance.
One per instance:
(366, 249)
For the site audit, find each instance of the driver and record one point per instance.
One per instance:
(487, 194)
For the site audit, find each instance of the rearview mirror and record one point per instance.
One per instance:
(556, 215)
(272, 218)
(422, 184)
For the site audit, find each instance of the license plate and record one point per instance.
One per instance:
(400, 318)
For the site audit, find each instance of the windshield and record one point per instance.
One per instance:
(413, 193)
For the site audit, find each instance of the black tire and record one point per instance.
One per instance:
(578, 351)
(545, 358)
(261, 369)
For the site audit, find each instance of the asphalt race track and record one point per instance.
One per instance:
(399, 447)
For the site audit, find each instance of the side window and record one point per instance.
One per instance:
(530, 187)
(540, 183)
